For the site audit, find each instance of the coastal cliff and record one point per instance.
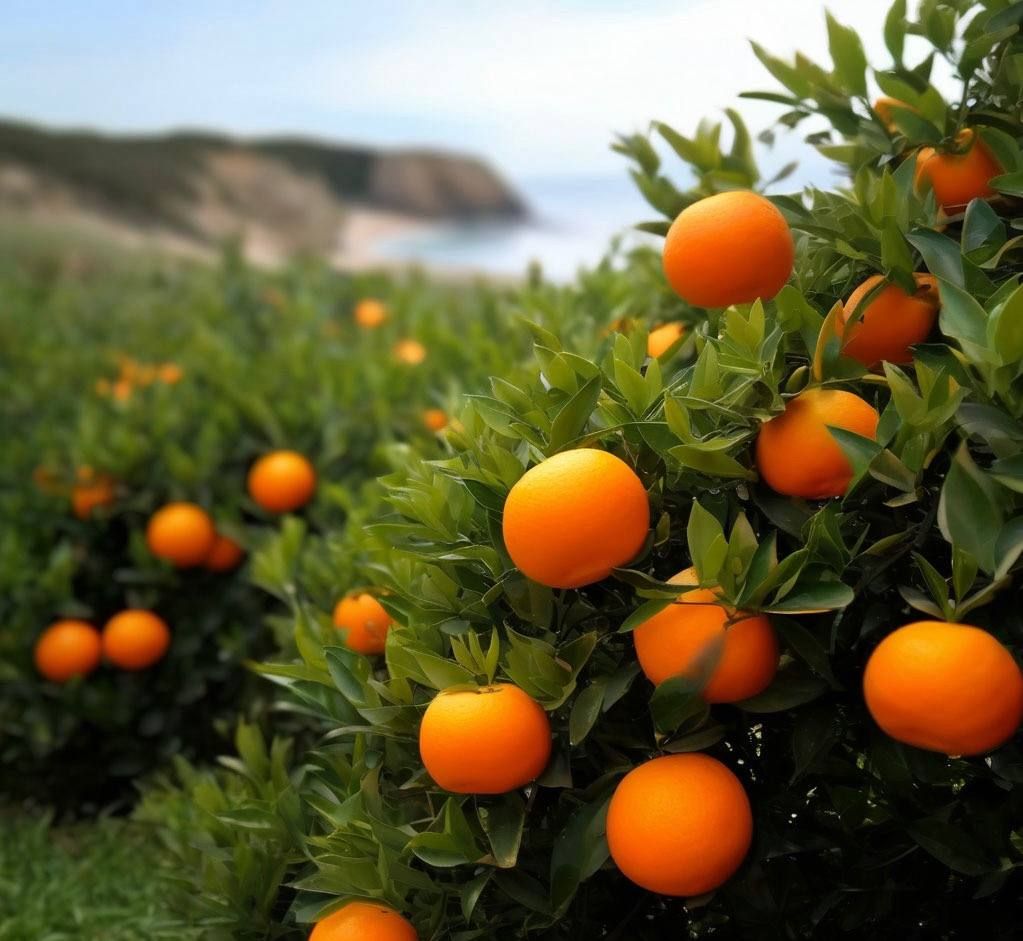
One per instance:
(190, 191)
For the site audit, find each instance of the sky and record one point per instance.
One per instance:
(538, 88)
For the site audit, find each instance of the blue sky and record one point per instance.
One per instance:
(537, 87)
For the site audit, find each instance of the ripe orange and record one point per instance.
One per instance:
(225, 554)
(728, 249)
(181, 533)
(956, 178)
(135, 639)
(66, 649)
(364, 921)
(673, 641)
(122, 390)
(883, 107)
(679, 825)
(370, 313)
(949, 688)
(660, 338)
(365, 623)
(92, 491)
(169, 373)
(798, 456)
(435, 419)
(892, 322)
(282, 481)
(410, 352)
(571, 519)
(484, 741)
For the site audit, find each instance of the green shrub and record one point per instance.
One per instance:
(856, 834)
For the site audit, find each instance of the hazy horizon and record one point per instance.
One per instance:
(534, 90)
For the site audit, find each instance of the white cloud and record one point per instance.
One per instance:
(542, 88)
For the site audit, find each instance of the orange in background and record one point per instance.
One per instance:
(364, 622)
(282, 481)
(67, 649)
(135, 639)
(181, 533)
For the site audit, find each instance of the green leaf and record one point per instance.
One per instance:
(707, 544)
(814, 733)
(805, 645)
(940, 254)
(1009, 183)
(792, 687)
(981, 225)
(711, 463)
(585, 710)
(895, 29)
(970, 512)
(570, 421)
(788, 76)
(816, 596)
(503, 821)
(963, 319)
(848, 56)
(632, 386)
(951, 845)
(643, 613)
(1005, 329)
(678, 699)
(579, 850)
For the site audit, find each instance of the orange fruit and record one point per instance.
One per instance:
(574, 517)
(798, 456)
(181, 533)
(673, 641)
(282, 481)
(956, 178)
(364, 921)
(135, 639)
(728, 249)
(679, 825)
(370, 313)
(122, 390)
(224, 556)
(660, 338)
(484, 741)
(883, 107)
(169, 373)
(410, 352)
(66, 649)
(892, 322)
(949, 688)
(365, 623)
(91, 491)
(435, 419)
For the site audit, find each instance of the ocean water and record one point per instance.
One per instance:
(572, 223)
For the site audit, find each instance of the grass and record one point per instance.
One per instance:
(90, 881)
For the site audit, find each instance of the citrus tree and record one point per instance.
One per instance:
(140, 403)
(693, 631)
